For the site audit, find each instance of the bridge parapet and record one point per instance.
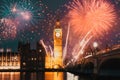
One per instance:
(93, 64)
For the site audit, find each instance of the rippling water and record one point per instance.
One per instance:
(67, 76)
(9, 75)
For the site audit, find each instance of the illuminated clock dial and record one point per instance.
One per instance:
(57, 34)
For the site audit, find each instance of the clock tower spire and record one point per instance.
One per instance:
(58, 62)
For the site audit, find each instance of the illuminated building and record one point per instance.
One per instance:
(58, 62)
(25, 59)
(32, 59)
(49, 65)
(9, 59)
(58, 46)
(55, 61)
(49, 61)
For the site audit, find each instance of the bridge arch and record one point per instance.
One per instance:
(109, 66)
(88, 67)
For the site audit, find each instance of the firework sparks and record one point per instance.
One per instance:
(98, 15)
(88, 19)
(26, 15)
(10, 30)
(19, 14)
(14, 9)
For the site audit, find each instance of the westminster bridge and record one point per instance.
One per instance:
(104, 63)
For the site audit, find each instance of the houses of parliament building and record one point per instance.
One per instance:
(35, 59)
(25, 59)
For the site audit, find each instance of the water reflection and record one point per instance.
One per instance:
(71, 76)
(54, 76)
(9, 75)
(50, 76)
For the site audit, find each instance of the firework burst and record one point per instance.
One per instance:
(98, 15)
(16, 8)
(8, 28)
(88, 19)
(19, 14)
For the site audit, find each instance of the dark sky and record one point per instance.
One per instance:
(54, 4)
(41, 29)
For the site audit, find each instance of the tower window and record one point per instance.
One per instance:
(35, 59)
(40, 50)
(24, 63)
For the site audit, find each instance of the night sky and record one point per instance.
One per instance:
(41, 26)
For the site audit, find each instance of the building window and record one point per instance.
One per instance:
(32, 59)
(0, 59)
(35, 59)
(24, 63)
(40, 58)
(16, 58)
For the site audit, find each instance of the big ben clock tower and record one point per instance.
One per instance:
(58, 45)
(57, 61)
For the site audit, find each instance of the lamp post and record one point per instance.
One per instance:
(95, 45)
(95, 71)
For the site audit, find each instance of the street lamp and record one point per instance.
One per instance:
(95, 45)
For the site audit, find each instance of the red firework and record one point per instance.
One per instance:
(95, 15)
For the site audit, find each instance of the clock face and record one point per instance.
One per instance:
(57, 34)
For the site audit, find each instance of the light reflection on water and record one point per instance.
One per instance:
(54, 76)
(16, 76)
(69, 76)
(9, 75)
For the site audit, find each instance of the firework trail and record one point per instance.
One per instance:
(66, 43)
(81, 51)
(88, 19)
(51, 51)
(45, 47)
